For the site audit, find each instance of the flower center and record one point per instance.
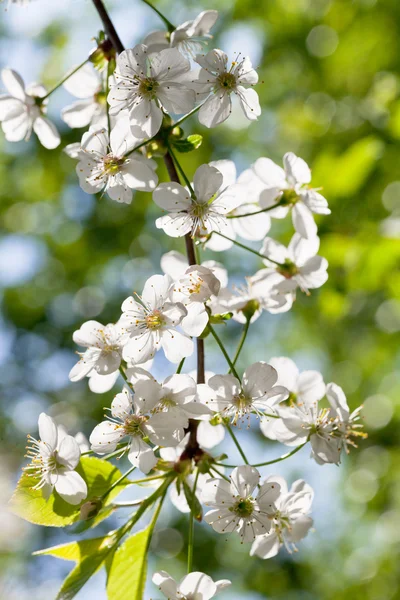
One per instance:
(148, 87)
(155, 320)
(242, 402)
(133, 425)
(288, 269)
(112, 164)
(288, 197)
(100, 98)
(244, 507)
(227, 81)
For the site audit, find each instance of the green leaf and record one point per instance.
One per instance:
(30, 504)
(127, 572)
(193, 502)
(87, 566)
(75, 551)
(192, 142)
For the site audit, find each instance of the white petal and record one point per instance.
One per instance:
(68, 452)
(169, 64)
(141, 455)
(244, 480)
(14, 83)
(165, 584)
(338, 401)
(249, 102)
(198, 584)
(303, 221)
(176, 345)
(121, 406)
(79, 114)
(288, 372)
(84, 83)
(215, 110)
(47, 431)
(46, 132)
(266, 546)
(145, 118)
(174, 264)
(209, 436)
(172, 197)
(311, 387)
(71, 487)
(297, 170)
(105, 437)
(206, 182)
(196, 319)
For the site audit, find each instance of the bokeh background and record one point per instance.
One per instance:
(331, 93)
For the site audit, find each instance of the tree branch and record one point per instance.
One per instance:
(108, 26)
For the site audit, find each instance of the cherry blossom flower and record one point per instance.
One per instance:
(129, 419)
(171, 405)
(237, 401)
(99, 384)
(347, 426)
(200, 215)
(189, 37)
(197, 285)
(175, 265)
(143, 83)
(298, 265)
(290, 523)
(54, 459)
(90, 109)
(152, 322)
(194, 586)
(104, 349)
(216, 82)
(106, 163)
(249, 227)
(307, 387)
(307, 421)
(290, 186)
(234, 506)
(22, 110)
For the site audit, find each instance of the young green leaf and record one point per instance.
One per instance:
(127, 572)
(29, 504)
(192, 142)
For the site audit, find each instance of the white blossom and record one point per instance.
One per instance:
(104, 349)
(193, 289)
(171, 405)
(152, 322)
(297, 266)
(291, 521)
(54, 458)
(189, 37)
(249, 227)
(235, 508)
(194, 586)
(176, 264)
(237, 401)
(144, 84)
(107, 165)
(290, 187)
(216, 82)
(99, 384)
(200, 215)
(129, 420)
(305, 387)
(22, 110)
(90, 108)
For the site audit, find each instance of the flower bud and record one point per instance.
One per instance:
(90, 509)
(250, 309)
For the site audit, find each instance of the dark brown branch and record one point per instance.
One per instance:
(108, 26)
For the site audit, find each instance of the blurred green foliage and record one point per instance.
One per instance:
(330, 91)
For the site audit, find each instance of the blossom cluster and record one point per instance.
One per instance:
(170, 426)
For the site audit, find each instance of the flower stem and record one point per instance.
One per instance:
(108, 26)
(64, 79)
(241, 342)
(220, 474)
(224, 352)
(167, 23)
(189, 114)
(119, 480)
(270, 462)
(179, 369)
(247, 248)
(238, 446)
(257, 212)
(191, 529)
(181, 171)
(108, 75)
